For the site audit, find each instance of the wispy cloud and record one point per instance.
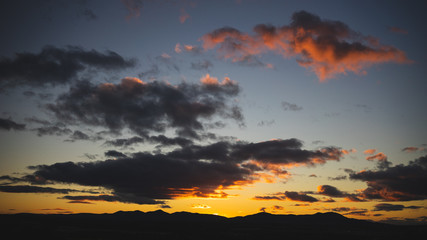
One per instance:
(184, 16)
(133, 7)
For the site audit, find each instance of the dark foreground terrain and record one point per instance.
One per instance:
(183, 225)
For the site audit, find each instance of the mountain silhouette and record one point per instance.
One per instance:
(184, 225)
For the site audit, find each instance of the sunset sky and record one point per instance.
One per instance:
(219, 107)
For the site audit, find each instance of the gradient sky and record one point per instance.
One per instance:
(222, 107)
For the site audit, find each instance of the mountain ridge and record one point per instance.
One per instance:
(185, 225)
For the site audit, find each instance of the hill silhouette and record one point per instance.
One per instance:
(184, 225)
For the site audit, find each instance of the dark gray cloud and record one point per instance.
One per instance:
(124, 142)
(53, 130)
(392, 207)
(79, 135)
(286, 152)
(191, 170)
(349, 211)
(162, 140)
(56, 66)
(300, 197)
(146, 176)
(337, 178)
(332, 191)
(9, 124)
(109, 198)
(114, 154)
(397, 183)
(288, 195)
(146, 107)
(361, 212)
(33, 189)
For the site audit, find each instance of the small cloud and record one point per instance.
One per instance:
(337, 178)
(183, 16)
(192, 49)
(165, 56)
(393, 207)
(178, 48)
(200, 206)
(317, 142)
(369, 151)
(266, 123)
(89, 14)
(388, 207)
(364, 107)
(269, 66)
(301, 205)
(277, 208)
(114, 154)
(290, 106)
(288, 195)
(201, 65)
(413, 149)
(213, 81)
(381, 158)
(398, 30)
(134, 8)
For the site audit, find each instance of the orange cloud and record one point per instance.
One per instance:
(379, 156)
(202, 206)
(369, 151)
(345, 152)
(328, 48)
(213, 81)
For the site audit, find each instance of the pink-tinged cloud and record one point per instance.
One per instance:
(134, 8)
(213, 81)
(187, 48)
(178, 48)
(183, 16)
(328, 48)
(398, 30)
(413, 149)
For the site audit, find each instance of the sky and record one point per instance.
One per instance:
(218, 107)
